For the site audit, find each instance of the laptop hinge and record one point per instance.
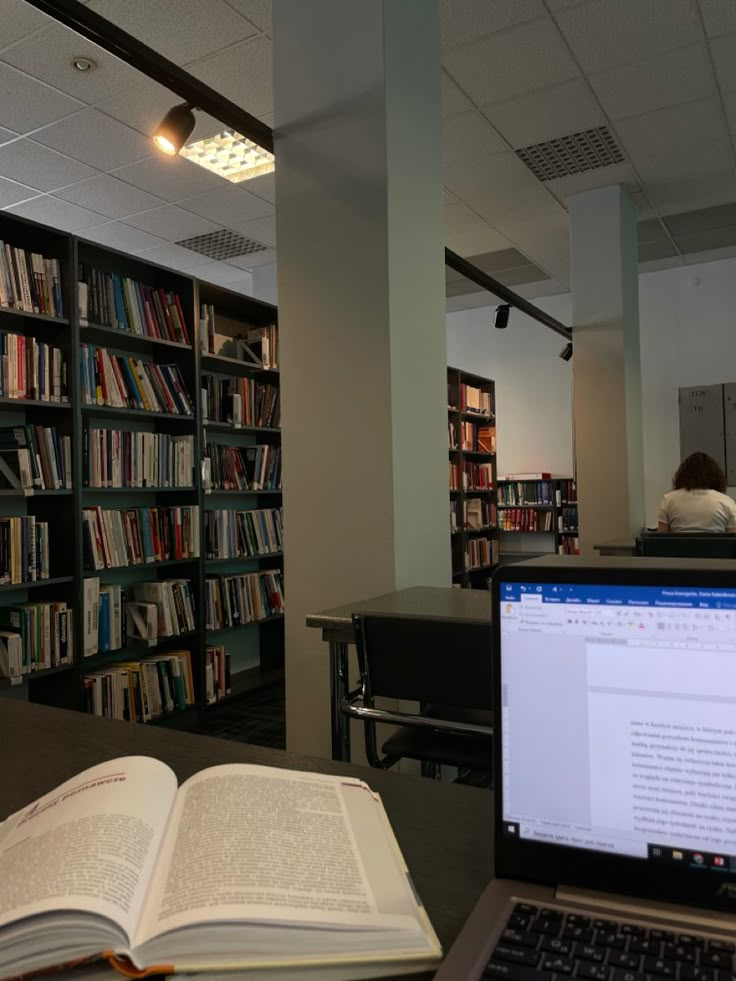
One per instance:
(635, 906)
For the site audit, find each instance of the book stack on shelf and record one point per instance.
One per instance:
(35, 458)
(253, 345)
(228, 468)
(115, 538)
(141, 691)
(132, 459)
(35, 637)
(32, 369)
(243, 534)
(241, 402)
(247, 598)
(218, 673)
(24, 549)
(471, 411)
(132, 383)
(538, 504)
(30, 282)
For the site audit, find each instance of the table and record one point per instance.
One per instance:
(464, 605)
(45, 746)
(619, 546)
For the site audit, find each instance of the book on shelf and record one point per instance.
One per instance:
(528, 476)
(481, 552)
(240, 534)
(477, 476)
(264, 342)
(218, 673)
(35, 458)
(527, 519)
(231, 601)
(161, 879)
(141, 621)
(118, 301)
(132, 383)
(241, 468)
(104, 617)
(45, 632)
(569, 546)
(112, 458)
(453, 518)
(241, 402)
(475, 400)
(11, 657)
(141, 690)
(114, 538)
(31, 369)
(486, 439)
(478, 513)
(173, 602)
(520, 493)
(30, 282)
(24, 549)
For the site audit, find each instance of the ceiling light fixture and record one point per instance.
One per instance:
(502, 316)
(84, 64)
(230, 155)
(566, 352)
(175, 129)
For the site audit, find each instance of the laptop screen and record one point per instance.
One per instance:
(619, 719)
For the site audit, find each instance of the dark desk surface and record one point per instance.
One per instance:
(430, 601)
(445, 831)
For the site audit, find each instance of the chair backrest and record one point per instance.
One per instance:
(424, 659)
(687, 545)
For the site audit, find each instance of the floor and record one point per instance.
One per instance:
(258, 717)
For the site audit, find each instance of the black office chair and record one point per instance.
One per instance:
(442, 664)
(686, 545)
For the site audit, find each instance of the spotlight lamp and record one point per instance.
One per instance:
(502, 316)
(566, 352)
(175, 129)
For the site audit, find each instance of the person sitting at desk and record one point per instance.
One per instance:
(699, 501)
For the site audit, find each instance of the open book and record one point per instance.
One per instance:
(242, 867)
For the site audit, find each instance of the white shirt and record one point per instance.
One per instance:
(698, 510)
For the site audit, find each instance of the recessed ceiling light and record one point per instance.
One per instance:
(84, 64)
(230, 155)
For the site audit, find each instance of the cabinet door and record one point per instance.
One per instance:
(701, 422)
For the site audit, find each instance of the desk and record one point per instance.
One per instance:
(45, 746)
(465, 605)
(619, 546)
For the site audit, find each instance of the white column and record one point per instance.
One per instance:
(264, 283)
(361, 313)
(606, 366)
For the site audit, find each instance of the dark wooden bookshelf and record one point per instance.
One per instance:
(514, 543)
(462, 536)
(62, 686)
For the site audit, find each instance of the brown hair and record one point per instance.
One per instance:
(700, 472)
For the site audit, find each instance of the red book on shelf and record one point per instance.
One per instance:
(167, 316)
(182, 319)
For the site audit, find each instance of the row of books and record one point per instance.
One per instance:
(521, 492)
(241, 402)
(480, 553)
(474, 399)
(241, 468)
(217, 673)
(569, 546)
(568, 519)
(136, 536)
(527, 519)
(131, 383)
(136, 459)
(255, 346)
(30, 282)
(31, 369)
(34, 637)
(239, 534)
(235, 600)
(35, 458)
(472, 476)
(145, 614)
(475, 513)
(24, 549)
(569, 491)
(472, 438)
(117, 301)
(142, 690)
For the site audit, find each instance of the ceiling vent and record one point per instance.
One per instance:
(574, 154)
(222, 245)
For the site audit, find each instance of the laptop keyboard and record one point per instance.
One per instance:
(541, 944)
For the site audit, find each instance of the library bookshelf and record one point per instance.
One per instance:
(537, 517)
(471, 426)
(255, 645)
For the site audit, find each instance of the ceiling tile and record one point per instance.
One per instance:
(118, 235)
(19, 20)
(263, 187)
(48, 57)
(26, 104)
(696, 161)
(108, 196)
(228, 205)
(242, 73)
(505, 258)
(546, 114)
(517, 61)
(264, 258)
(667, 80)
(716, 238)
(672, 129)
(608, 33)
(143, 107)
(719, 16)
(170, 178)
(522, 274)
(651, 232)
(462, 287)
(96, 139)
(466, 20)
(12, 193)
(656, 265)
(173, 256)
(171, 223)
(724, 56)
(564, 187)
(200, 28)
(711, 255)
(729, 102)
(454, 99)
(702, 220)
(469, 135)
(39, 167)
(218, 273)
(482, 298)
(656, 250)
(454, 305)
(6, 134)
(57, 213)
(261, 230)
(468, 234)
(699, 178)
(258, 12)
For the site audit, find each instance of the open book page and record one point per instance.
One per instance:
(259, 844)
(89, 845)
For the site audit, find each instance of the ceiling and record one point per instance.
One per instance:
(660, 74)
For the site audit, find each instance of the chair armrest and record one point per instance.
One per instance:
(355, 708)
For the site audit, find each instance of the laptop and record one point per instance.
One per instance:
(615, 756)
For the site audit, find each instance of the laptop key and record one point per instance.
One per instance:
(610, 925)
(559, 965)
(716, 958)
(643, 946)
(516, 955)
(513, 972)
(690, 973)
(583, 934)
(632, 930)
(666, 935)
(660, 967)
(553, 945)
(621, 974)
(726, 945)
(518, 938)
(593, 972)
(549, 927)
(690, 941)
(609, 938)
(588, 952)
(677, 952)
(620, 958)
(525, 908)
(578, 920)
